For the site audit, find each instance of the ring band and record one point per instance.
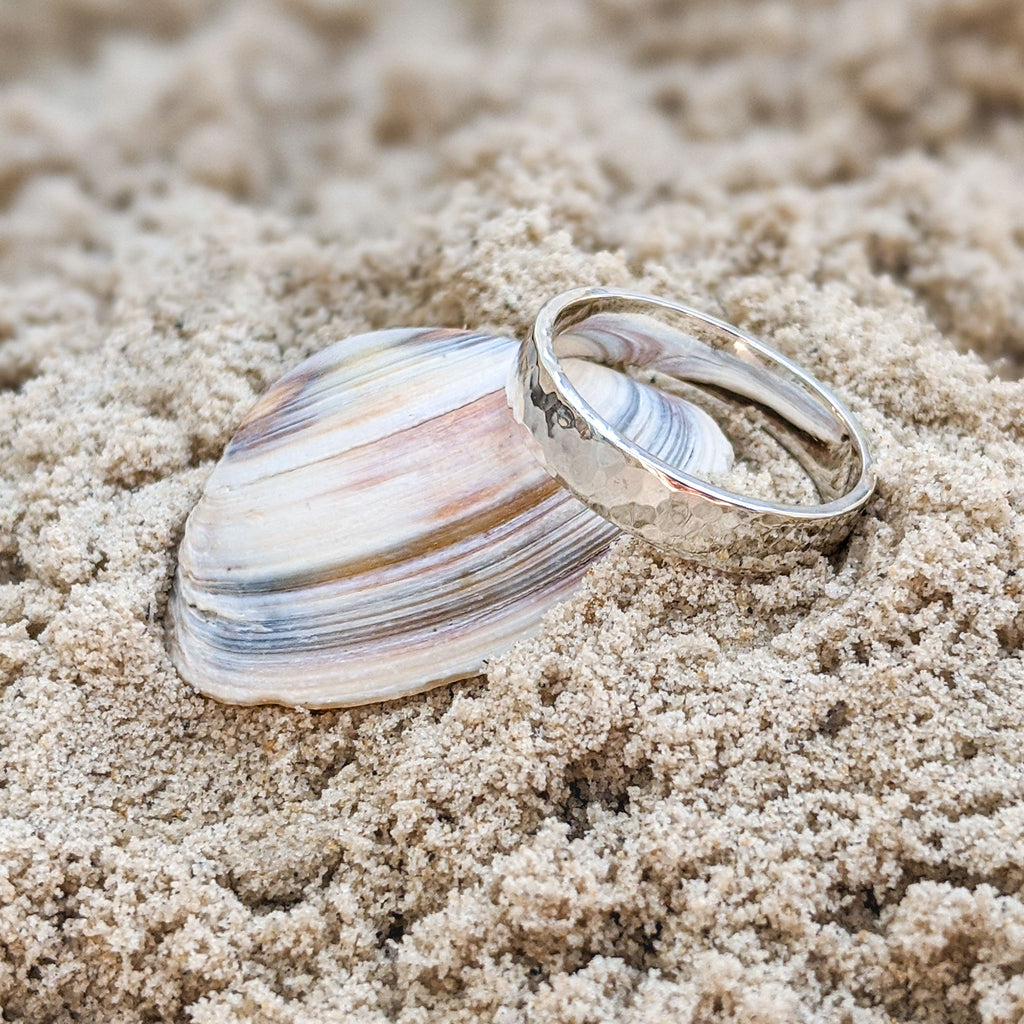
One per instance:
(713, 365)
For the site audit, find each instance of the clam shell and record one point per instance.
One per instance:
(378, 525)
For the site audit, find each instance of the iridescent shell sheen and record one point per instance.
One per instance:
(378, 524)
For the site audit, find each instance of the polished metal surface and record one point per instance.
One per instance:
(720, 368)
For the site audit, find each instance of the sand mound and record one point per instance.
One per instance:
(692, 797)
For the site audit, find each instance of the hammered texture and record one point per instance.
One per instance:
(665, 505)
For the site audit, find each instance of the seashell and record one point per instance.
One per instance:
(377, 525)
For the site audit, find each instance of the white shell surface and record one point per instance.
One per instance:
(378, 525)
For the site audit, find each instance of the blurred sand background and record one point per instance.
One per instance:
(692, 797)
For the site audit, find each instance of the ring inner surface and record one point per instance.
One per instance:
(697, 386)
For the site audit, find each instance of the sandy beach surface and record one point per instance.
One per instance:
(692, 797)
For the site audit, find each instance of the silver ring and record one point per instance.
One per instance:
(720, 371)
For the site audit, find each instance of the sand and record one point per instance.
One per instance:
(692, 796)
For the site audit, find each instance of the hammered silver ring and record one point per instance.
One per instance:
(699, 357)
